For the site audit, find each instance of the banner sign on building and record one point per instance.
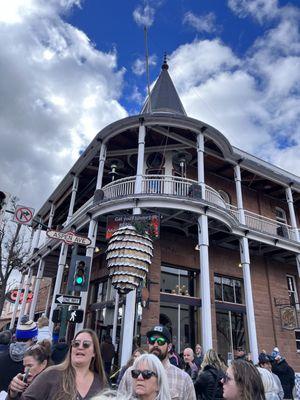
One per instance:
(11, 296)
(142, 223)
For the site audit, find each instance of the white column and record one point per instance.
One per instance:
(48, 298)
(203, 242)
(51, 215)
(36, 289)
(102, 158)
(200, 163)
(128, 322)
(245, 261)
(73, 198)
(92, 234)
(290, 201)
(206, 323)
(27, 285)
(140, 159)
(16, 305)
(37, 237)
(239, 197)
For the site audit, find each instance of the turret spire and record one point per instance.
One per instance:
(164, 97)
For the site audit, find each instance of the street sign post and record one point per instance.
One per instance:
(68, 300)
(23, 215)
(68, 237)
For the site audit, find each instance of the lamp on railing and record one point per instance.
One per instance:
(128, 258)
(114, 166)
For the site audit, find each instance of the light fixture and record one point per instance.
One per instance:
(240, 265)
(197, 247)
(97, 249)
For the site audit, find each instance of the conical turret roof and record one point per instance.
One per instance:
(164, 97)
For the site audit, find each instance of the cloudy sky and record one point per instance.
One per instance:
(70, 67)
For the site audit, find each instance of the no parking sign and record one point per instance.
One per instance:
(23, 215)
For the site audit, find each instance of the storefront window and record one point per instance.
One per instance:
(229, 290)
(177, 281)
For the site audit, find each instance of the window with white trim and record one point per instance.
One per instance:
(229, 290)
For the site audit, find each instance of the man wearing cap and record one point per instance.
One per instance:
(11, 362)
(285, 373)
(264, 361)
(180, 383)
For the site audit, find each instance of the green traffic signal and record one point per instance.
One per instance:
(79, 280)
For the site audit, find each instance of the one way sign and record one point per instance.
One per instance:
(68, 300)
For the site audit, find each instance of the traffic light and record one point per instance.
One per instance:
(75, 316)
(79, 276)
(79, 273)
(56, 316)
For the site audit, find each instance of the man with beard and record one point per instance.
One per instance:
(160, 343)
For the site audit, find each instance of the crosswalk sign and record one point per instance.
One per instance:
(75, 316)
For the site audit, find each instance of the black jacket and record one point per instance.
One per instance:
(286, 375)
(208, 382)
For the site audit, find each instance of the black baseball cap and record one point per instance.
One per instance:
(162, 331)
(263, 358)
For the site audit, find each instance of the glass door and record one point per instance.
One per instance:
(231, 332)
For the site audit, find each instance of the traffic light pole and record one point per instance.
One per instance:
(27, 284)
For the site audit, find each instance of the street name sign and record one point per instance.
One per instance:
(67, 300)
(68, 237)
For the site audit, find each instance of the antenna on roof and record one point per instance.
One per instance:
(147, 68)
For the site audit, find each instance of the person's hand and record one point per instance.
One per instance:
(17, 385)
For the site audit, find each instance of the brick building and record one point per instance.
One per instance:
(226, 266)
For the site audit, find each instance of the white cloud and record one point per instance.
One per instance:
(144, 16)
(57, 92)
(259, 9)
(139, 65)
(254, 100)
(203, 23)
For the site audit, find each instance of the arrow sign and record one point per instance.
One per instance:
(68, 300)
(69, 237)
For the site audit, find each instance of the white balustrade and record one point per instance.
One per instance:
(183, 187)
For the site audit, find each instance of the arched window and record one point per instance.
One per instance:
(225, 196)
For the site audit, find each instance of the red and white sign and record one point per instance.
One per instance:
(69, 237)
(11, 296)
(23, 215)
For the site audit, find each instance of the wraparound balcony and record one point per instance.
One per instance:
(165, 185)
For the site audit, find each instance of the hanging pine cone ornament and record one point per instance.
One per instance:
(128, 258)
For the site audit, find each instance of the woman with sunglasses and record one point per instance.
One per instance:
(36, 359)
(80, 377)
(149, 379)
(208, 384)
(242, 382)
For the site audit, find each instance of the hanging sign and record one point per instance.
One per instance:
(69, 237)
(23, 215)
(11, 296)
(149, 224)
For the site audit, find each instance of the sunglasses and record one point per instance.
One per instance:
(226, 378)
(146, 374)
(160, 340)
(85, 343)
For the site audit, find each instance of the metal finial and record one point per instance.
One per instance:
(165, 63)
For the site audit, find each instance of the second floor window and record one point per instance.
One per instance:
(229, 289)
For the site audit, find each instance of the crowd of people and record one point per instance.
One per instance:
(36, 365)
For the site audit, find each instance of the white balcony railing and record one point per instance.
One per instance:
(183, 187)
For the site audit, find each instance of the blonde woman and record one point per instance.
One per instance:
(208, 384)
(80, 377)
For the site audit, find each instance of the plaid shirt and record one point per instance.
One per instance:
(180, 384)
